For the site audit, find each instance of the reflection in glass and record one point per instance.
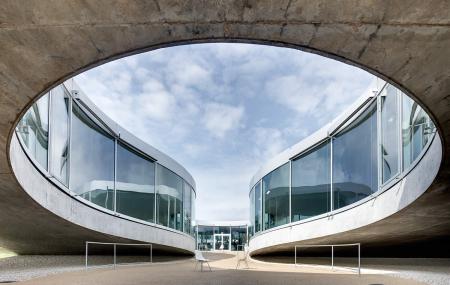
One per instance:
(33, 129)
(275, 187)
(187, 218)
(135, 190)
(238, 238)
(60, 134)
(389, 133)
(91, 160)
(311, 183)
(355, 173)
(205, 238)
(417, 129)
(251, 227)
(258, 207)
(169, 198)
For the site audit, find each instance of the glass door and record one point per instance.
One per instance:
(222, 241)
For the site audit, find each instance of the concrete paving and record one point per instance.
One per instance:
(223, 272)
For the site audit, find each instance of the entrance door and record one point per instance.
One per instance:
(222, 241)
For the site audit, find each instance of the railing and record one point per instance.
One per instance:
(332, 252)
(114, 244)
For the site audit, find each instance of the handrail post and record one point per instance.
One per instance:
(359, 259)
(295, 258)
(114, 255)
(151, 253)
(332, 257)
(86, 258)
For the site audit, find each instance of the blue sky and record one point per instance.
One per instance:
(223, 109)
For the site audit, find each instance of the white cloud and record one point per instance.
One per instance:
(221, 118)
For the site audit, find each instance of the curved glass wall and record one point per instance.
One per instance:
(355, 172)
(33, 129)
(366, 154)
(275, 187)
(311, 183)
(62, 136)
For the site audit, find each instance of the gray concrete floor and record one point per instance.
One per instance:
(55, 270)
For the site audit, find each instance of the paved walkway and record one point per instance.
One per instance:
(223, 265)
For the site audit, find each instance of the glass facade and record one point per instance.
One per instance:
(169, 198)
(135, 184)
(221, 238)
(91, 160)
(33, 129)
(389, 133)
(60, 101)
(275, 187)
(356, 161)
(355, 172)
(311, 183)
(78, 150)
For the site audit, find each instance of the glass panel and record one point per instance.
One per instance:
(417, 129)
(252, 212)
(192, 209)
(187, 219)
(258, 208)
(389, 133)
(226, 242)
(355, 172)
(276, 197)
(91, 161)
(311, 183)
(205, 238)
(169, 198)
(33, 129)
(135, 184)
(238, 238)
(60, 134)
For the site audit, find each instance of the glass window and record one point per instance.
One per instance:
(187, 218)
(389, 133)
(355, 172)
(192, 210)
(33, 130)
(91, 160)
(222, 230)
(60, 134)
(135, 184)
(205, 238)
(275, 187)
(169, 198)
(417, 129)
(251, 227)
(258, 208)
(311, 183)
(238, 238)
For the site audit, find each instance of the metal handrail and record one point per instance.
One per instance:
(332, 252)
(114, 244)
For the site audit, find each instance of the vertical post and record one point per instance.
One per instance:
(86, 259)
(332, 257)
(115, 177)
(295, 256)
(114, 256)
(331, 174)
(151, 253)
(359, 259)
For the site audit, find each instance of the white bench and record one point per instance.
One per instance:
(199, 258)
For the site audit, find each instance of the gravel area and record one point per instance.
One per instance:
(25, 267)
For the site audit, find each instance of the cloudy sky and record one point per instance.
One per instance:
(222, 110)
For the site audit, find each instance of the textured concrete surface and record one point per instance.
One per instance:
(43, 43)
(223, 272)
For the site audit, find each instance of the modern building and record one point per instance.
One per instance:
(66, 145)
(221, 235)
(336, 185)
